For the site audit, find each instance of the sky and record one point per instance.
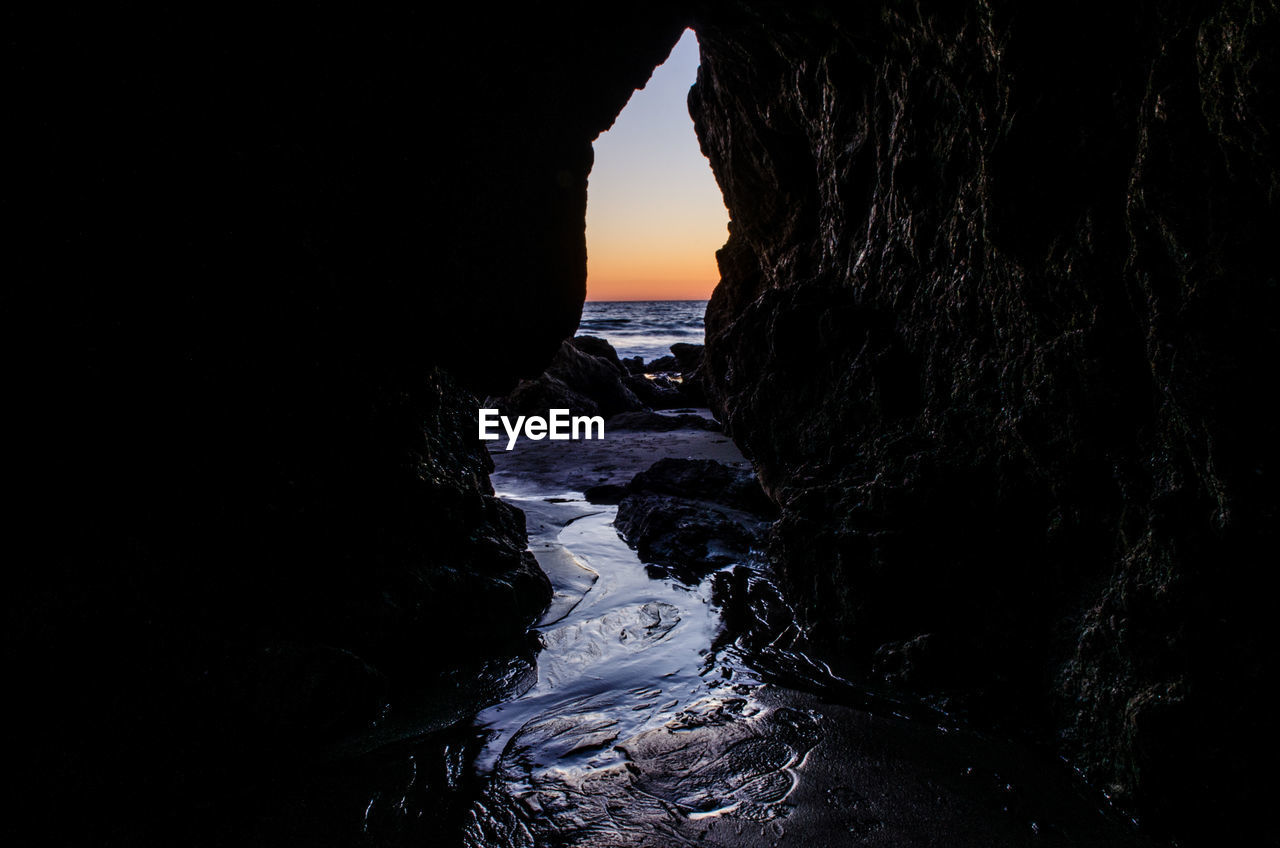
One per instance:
(655, 216)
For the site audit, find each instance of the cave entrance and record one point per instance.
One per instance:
(655, 218)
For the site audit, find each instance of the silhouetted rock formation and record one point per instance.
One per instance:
(689, 361)
(707, 480)
(693, 515)
(997, 327)
(583, 382)
(633, 364)
(660, 392)
(688, 357)
(264, 262)
(996, 319)
(587, 378)
(598, 347)
(656, 422)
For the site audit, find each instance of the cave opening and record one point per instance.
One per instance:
(990, 328)
(655, 218)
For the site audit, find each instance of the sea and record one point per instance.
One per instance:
(644, 328)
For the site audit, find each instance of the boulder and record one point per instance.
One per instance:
(688, 357)
(663, 365)
(693, 516)
(633, 364)
(1007, 390)
(582, 382)
(691, 390)
(535, 397)
(654, 422)
(661, 392)
(606, 493)
(598, 347)
(707, 480)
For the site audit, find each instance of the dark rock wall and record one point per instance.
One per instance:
(258, 265)
(997, 324)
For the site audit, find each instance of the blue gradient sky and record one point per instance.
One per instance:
(655, 216)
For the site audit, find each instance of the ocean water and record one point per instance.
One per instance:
(646, 328)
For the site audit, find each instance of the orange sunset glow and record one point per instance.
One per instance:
(655, 216)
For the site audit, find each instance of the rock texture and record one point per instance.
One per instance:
(584, 377)
(692, 516)
(587, 377)
(657, 422)
(997, 325)
(262, 263)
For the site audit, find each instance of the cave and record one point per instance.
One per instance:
(995, 326)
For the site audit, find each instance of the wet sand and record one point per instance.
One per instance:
(653, 724)
(648, 717)
(574, 466)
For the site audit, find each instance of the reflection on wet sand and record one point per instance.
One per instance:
(670, 712)
(661, 707)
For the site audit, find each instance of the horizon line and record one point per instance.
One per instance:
(648, 300)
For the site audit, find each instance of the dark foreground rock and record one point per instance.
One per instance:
(693, 516)
(656, 422)
(600, 348)
(656, 392)
(245, 332)
(706, 480)
(997, 323)
(689, 360)
(633, 364)
(598, 377)
(537, 396)
(998, 347)
(663, 365)
(688, 357)
(606, 493)
(585, 377)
